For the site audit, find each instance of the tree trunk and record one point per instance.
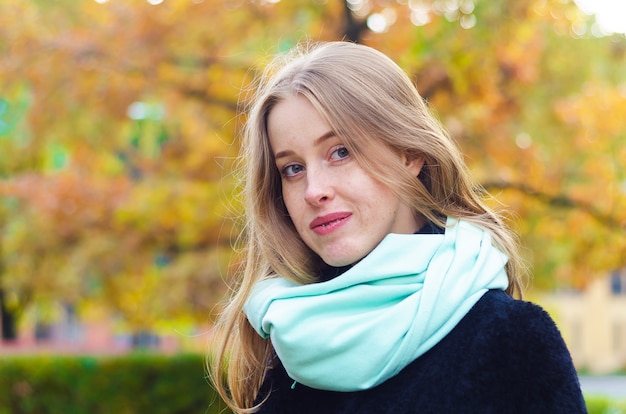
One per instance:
(353, 28)
(8, 320)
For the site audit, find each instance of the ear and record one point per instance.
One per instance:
(414, 164)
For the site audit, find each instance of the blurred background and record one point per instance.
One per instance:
(119, 126)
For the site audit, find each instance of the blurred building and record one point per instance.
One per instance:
(593, 323)
(106, 335)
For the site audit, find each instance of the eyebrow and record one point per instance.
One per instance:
(316, 142)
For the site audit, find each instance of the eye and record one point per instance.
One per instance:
(340, 153)
(292, 170)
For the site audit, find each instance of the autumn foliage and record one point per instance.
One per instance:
(119, 120)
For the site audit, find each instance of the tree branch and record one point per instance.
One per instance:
(559, 201)
(204, 97)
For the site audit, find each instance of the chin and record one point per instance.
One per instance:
(341, 261)
(342, 254)
(338, 263)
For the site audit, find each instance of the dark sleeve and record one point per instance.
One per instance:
(541, 374)
(287, 397)
(270, 393)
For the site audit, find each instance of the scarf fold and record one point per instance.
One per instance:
(357, 330)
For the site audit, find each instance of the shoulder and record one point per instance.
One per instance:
(523, 356)
(505, 305)
(516, 324)
(514, 335)
(505, 355)
(499, 312)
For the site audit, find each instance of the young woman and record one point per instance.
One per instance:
(376, 280)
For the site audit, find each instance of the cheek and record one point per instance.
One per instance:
(383, 200)
(376, 191)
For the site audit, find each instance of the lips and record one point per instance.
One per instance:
(329, 223)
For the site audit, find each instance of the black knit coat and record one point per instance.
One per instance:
(505, 356)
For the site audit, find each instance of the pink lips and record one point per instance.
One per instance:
(329, 223)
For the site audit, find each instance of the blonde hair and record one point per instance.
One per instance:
(374, 108)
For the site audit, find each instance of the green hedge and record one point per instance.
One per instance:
(603, 405)
(131, 384)
(136, 383)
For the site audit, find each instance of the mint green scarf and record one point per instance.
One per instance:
(357, 330)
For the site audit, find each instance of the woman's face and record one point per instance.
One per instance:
(339, 210)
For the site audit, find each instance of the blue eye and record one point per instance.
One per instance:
(292, 170)
(340, 153)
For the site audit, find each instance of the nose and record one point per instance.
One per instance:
(319, 188)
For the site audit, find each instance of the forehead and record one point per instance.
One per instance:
(295, 120)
